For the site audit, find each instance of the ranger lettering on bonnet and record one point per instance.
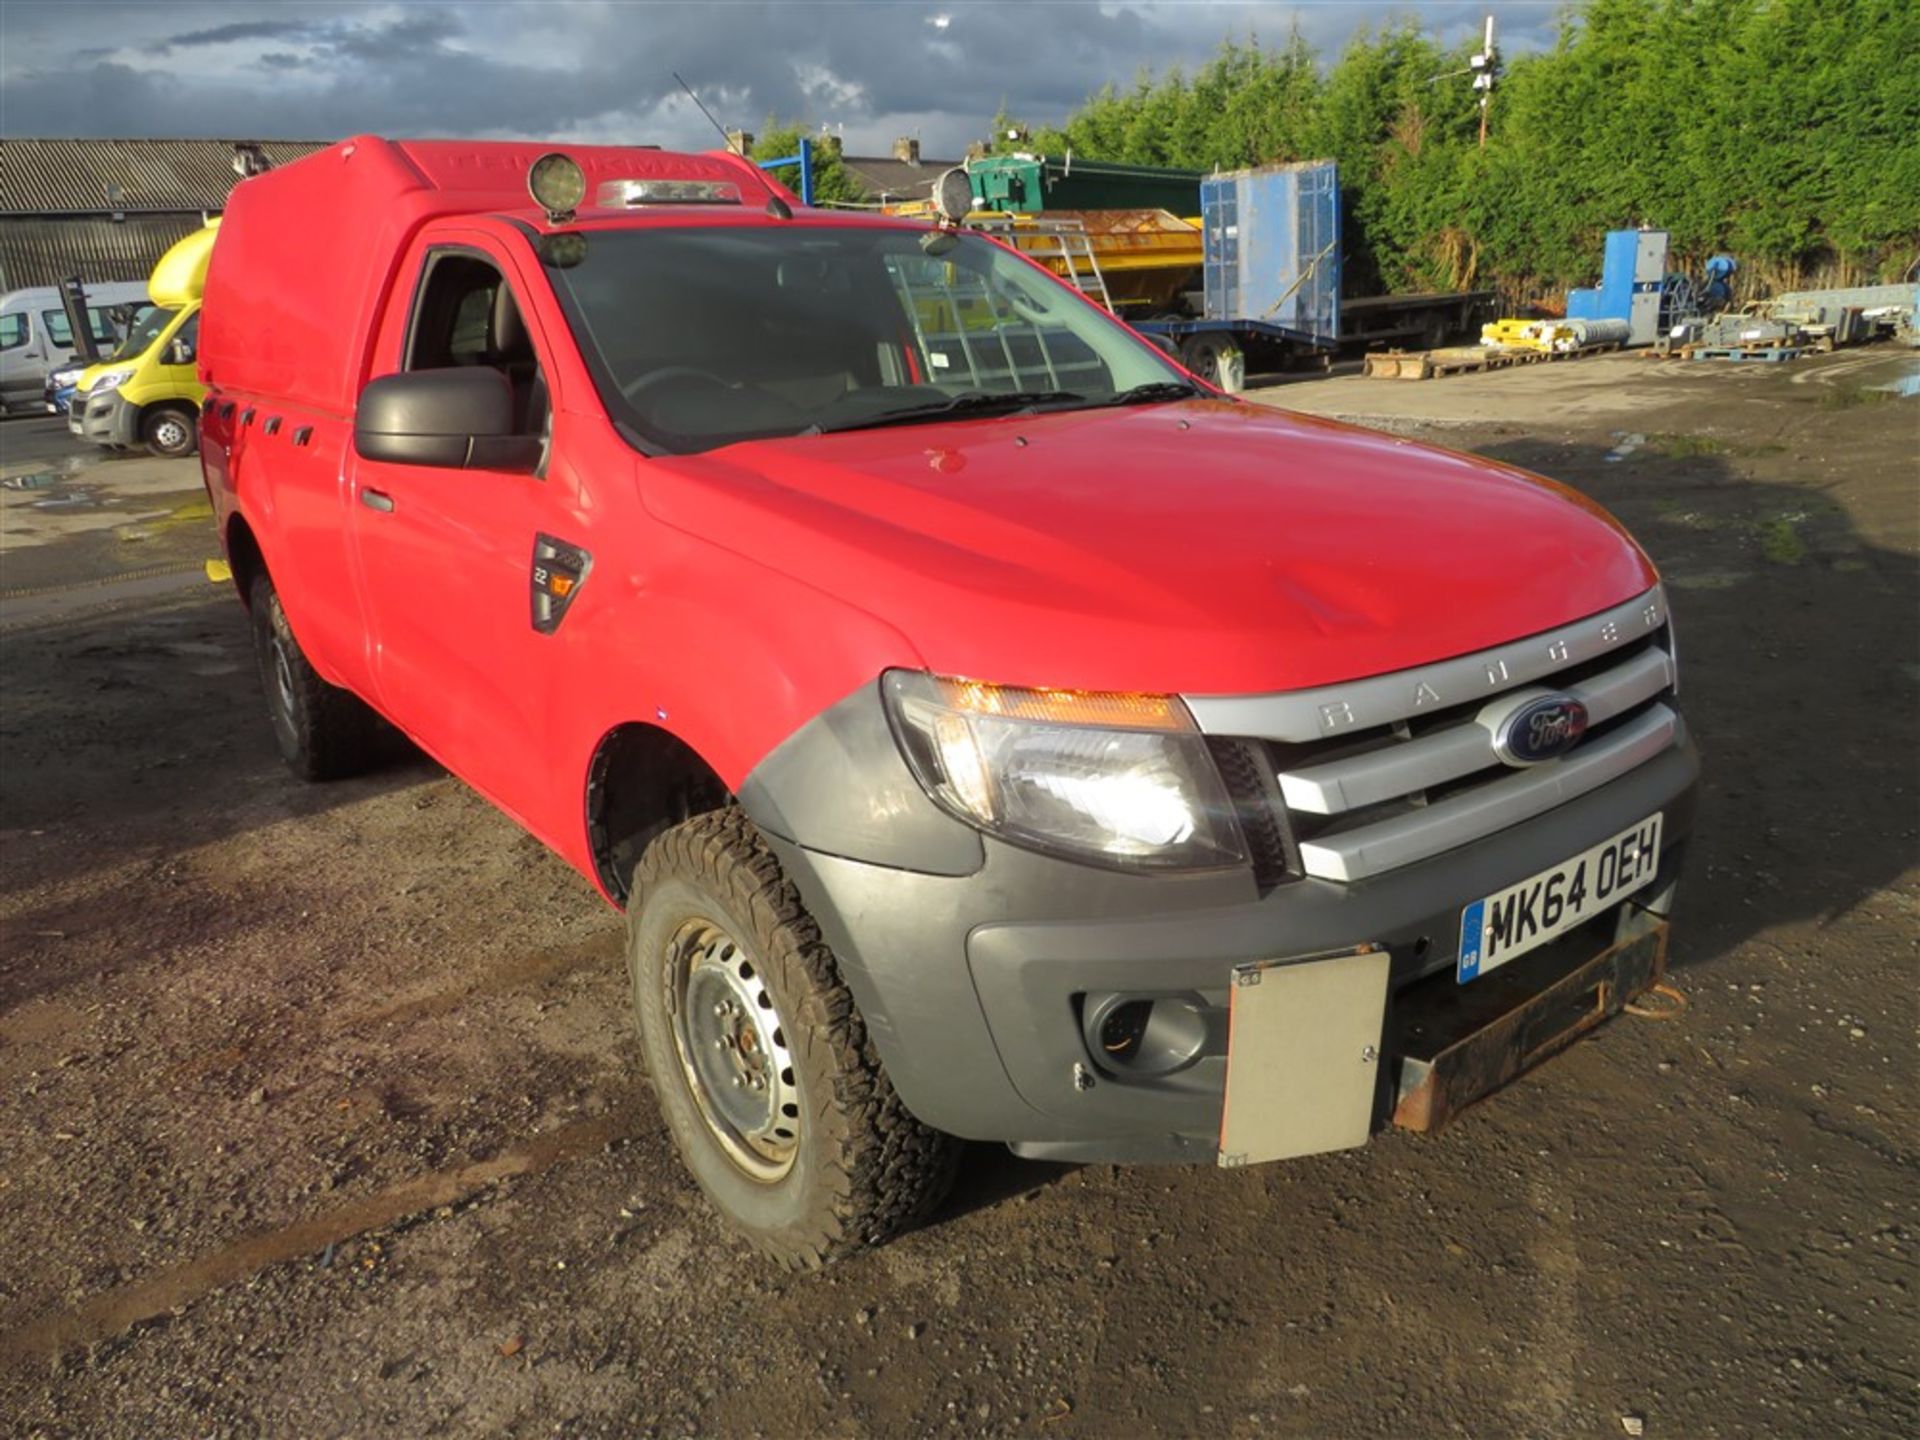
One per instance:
(990, 731)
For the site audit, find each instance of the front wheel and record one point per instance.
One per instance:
(170, 430)
(324, 732)
(760, 1059)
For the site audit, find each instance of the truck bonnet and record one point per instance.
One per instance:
(1201, 547)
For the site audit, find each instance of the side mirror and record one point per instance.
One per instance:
(460, 419)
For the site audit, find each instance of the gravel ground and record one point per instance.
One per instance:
(320, 1111)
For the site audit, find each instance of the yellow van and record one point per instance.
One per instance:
(148, 392)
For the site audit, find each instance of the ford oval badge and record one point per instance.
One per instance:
(1540, 730)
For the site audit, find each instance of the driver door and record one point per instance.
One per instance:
(445, 556)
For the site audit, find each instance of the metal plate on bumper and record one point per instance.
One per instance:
(1303, 1055)
(1478, 1037)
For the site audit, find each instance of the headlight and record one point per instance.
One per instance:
(112, 380)
(1117, 779)
(61, 379)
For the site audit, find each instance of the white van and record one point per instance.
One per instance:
(35, 336)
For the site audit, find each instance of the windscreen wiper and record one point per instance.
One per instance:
(1157, 390)
(973, 402)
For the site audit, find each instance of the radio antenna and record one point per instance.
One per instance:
(725, 138)
(776, 207)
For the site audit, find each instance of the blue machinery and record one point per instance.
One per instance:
(1632, 275)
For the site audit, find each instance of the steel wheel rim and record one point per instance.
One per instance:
(733, 1050)
(282, 675)
(170, 434)
(281, 665)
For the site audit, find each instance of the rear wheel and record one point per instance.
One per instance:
(324, 732)
(170, 430)
(761, 1062)
(1215, 359)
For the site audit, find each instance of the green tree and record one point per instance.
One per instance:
(832, 183)
(1780, 130)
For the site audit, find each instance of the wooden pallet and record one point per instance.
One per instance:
(1464, 359)
(1766, 354)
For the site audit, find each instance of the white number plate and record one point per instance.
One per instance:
(1514, 920)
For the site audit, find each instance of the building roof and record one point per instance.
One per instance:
(889, 178)
(126, 177)
(44, 250)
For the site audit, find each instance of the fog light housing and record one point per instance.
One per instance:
(1145, 1035)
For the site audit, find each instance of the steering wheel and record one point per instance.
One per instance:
(671, 372)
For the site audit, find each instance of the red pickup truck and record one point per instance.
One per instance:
(989, 731)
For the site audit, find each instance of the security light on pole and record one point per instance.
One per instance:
(1485, 67)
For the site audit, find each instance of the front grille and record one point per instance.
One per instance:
(1404, 768)
(1254, 787)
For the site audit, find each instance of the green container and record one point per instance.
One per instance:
(1032, 185)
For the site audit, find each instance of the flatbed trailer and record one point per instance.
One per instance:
(1424, 320)
(1224, 352)
(1271, 283)
(1270, 273)
(1265, 251)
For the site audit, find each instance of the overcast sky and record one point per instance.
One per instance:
(601, 69)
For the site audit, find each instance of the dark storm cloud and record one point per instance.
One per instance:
(226, 34)
(603, 70)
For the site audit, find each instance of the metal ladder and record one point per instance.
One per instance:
(1063, 246)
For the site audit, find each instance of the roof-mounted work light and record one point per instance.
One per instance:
(953, 196)
(558, 185)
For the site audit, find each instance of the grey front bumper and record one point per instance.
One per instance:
(104, 418)
(972, 984)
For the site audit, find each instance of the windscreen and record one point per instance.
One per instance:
(147, 329)
(699, 337)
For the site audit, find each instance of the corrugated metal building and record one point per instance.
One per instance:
(107, 209)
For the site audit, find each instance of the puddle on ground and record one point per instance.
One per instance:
(151, 524)
(38, 480)
(1905, 385)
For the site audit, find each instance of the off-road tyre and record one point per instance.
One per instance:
(864, 1169)
(324, 732)
(171, 431)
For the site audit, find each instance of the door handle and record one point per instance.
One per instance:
(377, 500)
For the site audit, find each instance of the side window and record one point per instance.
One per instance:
(186, 340)
(466, 315)
(13, 331)
(58, 330)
